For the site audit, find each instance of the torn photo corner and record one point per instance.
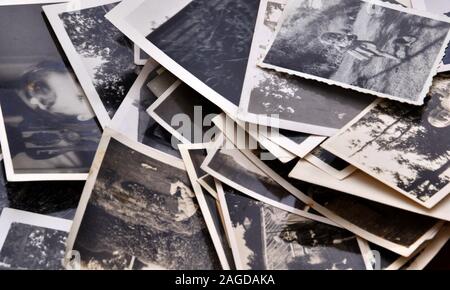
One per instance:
(101, 56)
(372, 47)
(144, 195)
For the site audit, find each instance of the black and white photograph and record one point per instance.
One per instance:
(193, 157)
(383, 225)
(363, 185)
(206, 44)
(132, 120)
(329, 163)
(185, 114)
(264, 237)
(372, 47)
(230, 166)
(162, 82)
(31, 241)
(102, 57)
(140, 57)
(404, 146)
(53, 198)
(250, 135)
(437, 7)
(288, 102)
(138, 211)
(208, 183)
(48, 130)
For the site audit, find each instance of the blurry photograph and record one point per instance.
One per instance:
(139, 211)
(100, 54)
(404, 146)
(48, 130)
(368, 46)
(31, 241)
(267, 238)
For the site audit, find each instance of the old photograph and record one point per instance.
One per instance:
(138, 211)
(140, 57)
(205, 44)
(233, 168)
(31, 241)
(162, 82)
(264, 237)
(383, 225)
(288, 102)
(329, 163)
(404, 146)
(48, 130)
(208, 183)
(193, 157)
(132, 120)
(363, 185)
(102, 57)
(437, 7)
(372, 47)
(185, 114)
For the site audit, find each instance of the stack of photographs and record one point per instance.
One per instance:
(224, 134)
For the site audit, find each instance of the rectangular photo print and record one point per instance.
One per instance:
(48, 130)
(363, 185)
(370, 46)
(329, 163)
(278, 100)
(264, 237)
(437, 7)
(138, 211)
(185, 114)
(132, 120)
(30, 241)
(380, 224)
(205, 44)
(404, 146)
(101, 56)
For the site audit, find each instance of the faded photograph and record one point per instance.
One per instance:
(106, 53)
(211, 39)
(159, 84)
(29, 247)
(404, 146)
(142, 214)
(50, 127)
(268, 238)
(290, 98)
(382, 50)
(187, 113)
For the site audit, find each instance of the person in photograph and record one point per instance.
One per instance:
(49, 122)
(364, 50)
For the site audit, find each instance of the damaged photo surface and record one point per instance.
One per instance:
(272, 239)
(142, 214)
(211, 39)
(50, 126)
(404, 146)
(106, 53)
(381, 50)
(29, 247)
